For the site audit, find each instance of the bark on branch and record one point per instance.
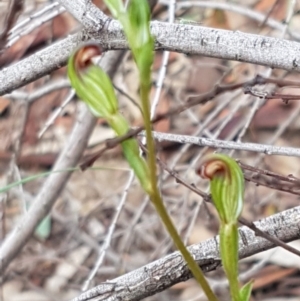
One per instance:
(167, 271)
(188, 39)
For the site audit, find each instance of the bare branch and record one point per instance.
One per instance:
(88, 14)
(223, 144)
(25, 27)
(165, 272)
(272, 52)
(38, 64)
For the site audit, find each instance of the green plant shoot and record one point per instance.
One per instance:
(93, 86)
(136, 25)
(227, 190)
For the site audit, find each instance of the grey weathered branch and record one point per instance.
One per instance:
(223, 144)
(88, 14)
(165, 272)
(37, 65)
(230, 45)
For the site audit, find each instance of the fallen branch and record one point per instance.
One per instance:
(167, 271)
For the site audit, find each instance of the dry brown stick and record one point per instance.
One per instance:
(269, 14)
(271, 179)
(276, 186)
(289, 178)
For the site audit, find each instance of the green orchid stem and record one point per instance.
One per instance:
(145, 90)
(192, 265)
(158, 202)
(229, 254)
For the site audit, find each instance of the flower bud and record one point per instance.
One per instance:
(226, 185)
(91, 83)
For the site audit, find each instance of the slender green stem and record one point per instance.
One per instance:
(145, 89)
(158, 202)
(195, 269)
(229, 256)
